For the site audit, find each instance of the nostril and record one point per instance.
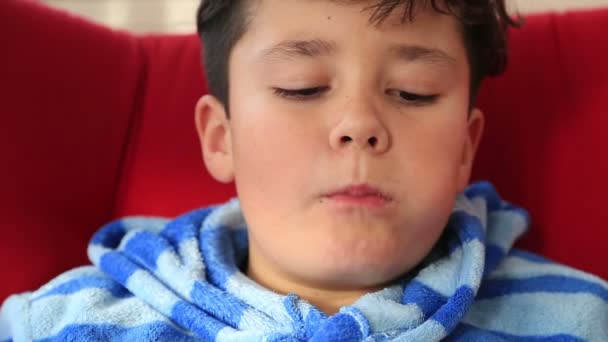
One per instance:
(345, 139)
(373, 141)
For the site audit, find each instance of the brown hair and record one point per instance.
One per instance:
(221, 23)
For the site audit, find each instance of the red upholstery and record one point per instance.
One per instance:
(98, 124)
(545, 145)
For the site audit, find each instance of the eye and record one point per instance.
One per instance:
(300, 94)
(413, 98)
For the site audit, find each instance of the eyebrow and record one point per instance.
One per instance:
(300, 48)
(290, 49)
(412, 53)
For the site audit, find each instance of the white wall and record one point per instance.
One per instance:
(178, 15)
(556, 5)
(136, 15)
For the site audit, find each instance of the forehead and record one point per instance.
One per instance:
(341, 23)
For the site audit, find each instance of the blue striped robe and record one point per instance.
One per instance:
(155, 279)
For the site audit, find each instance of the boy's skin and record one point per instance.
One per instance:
(287, 155)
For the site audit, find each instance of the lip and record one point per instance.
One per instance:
(360, 195)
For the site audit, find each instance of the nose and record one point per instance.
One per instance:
(360, 127)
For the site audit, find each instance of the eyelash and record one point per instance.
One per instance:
(314, 92)
(300, 94)
(415, 99)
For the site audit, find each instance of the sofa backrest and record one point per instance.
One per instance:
(68, 89)
(546, 145)
(98, 124)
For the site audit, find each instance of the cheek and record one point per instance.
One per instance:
(432, 148)
(272, 155)
(430, 154)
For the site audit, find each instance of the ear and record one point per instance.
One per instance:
(475, 126)
(213, 128)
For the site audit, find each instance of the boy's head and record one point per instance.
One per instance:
(351, 128)
(221, 23)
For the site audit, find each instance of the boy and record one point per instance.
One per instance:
(350, 134)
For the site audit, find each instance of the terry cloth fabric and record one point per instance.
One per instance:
(155, 279)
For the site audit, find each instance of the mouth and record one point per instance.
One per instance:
(360, 195)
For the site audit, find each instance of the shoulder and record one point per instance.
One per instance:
(528, 295)
(524, 272)
(80, 302)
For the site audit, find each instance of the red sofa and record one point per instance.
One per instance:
(97, 124)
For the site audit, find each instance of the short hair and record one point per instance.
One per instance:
(221, 23)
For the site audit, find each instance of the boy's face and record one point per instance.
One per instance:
(348, 142)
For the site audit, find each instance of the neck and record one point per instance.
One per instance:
(327, 299)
